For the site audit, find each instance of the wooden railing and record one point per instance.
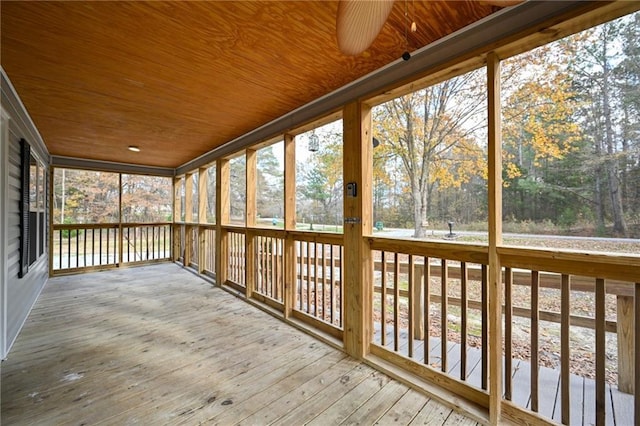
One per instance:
(145, 242)
(81, 247)
(430, 310)
(208, 247)
(445, 339)
(598, 279)
(319, 289)
(237, 254)
(417, 328)
(269, 263)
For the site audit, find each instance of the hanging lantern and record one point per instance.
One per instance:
(314, 143)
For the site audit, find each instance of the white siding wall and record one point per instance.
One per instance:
(19, 294)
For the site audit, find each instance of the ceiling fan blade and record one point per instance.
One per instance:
(359, 22)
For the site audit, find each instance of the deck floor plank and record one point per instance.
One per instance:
(404, 411)
(158, 345)
(281, 406)
(369, 412)
(432, 413)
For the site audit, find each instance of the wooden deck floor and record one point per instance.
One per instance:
(157, 345)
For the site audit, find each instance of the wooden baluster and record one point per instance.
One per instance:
(444, 301)
(410, 305)
(323, 282)
(508, 333)
(383, 301)
(340, 299)
(85, 247)
(426, 276)
(333, 287)
(69, 248)
(100, 247)
(463, 321)
(396, 303)
(535, 319)
(273, 243)
(565, 354)
(308, 277)
(600, 353)
(60, 231)
(77, 248)
(316, 295)
(485, 326)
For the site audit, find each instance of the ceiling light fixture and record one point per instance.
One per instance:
(133, 148)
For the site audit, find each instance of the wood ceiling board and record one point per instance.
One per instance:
(181, 78)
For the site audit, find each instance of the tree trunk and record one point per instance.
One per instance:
(419, 214)
(619, 224)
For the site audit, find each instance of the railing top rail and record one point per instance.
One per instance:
(130, 224)
(317, 237)
(74, 226)
(597, 265)
(240, 229)
(268, 232)
(452, 251)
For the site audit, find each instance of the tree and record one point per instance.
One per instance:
(320, 176)
(238, 188)
(270, 183)
(595, 79)
(434, 133)
(540, 134)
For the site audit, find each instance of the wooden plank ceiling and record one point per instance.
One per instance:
(179, 79)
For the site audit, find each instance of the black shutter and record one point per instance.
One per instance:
(25, 164)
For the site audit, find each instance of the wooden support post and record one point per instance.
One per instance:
(222, 218)
(203, 198)
(290, 254)
(188, 198)
(188, 218)
(120, 236)
(416, 300)
(358, 262)
(177, 215)
(250, 221)
(495, 238)
(625, 331)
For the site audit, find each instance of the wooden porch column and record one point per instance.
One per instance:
(358, 262)
(625, 331)
(222, 218)
(188, 217)
(250, 222)
(120, 236)
(203, 197)
(495, 239)
(177, 214)
(289, 223)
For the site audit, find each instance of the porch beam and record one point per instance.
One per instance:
(358, 264)
(495, 239)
